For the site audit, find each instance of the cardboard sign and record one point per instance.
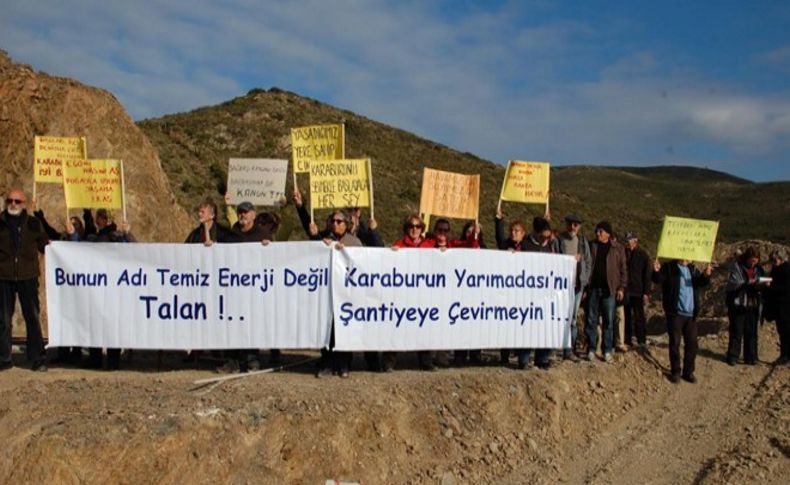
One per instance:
(691, 239)
(93, 184)
(49, 153)
(318, 142)
(450, 194)
(526, 182)
(257, 180)
(340, 183)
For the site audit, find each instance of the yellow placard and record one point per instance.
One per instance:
(691, 239)
(49, 153)
(339, 183)
(93, 184)
(450, 194)
(526, 182)
(317, 142)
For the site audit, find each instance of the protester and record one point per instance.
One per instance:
(21, 239)
(515, 243)
(680, 282)
(779, 295)
(413, 229)
(471, 237)
(745, 300)
(245, 229)
(368, 236)
(573, 243)
(208, 231)
(638, 291)
(103, 231)
(608, 281)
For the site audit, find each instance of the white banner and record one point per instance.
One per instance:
(415, 299)
(188, 296)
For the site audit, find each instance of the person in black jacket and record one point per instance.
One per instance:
(744, 301)
(21, 239)
(779, 295)
(680, 281)
(637, 295)
(209, 231)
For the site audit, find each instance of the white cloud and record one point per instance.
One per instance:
(502, 83)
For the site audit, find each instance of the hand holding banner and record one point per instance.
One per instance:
(257, 180)
(49, 153)
(318, 142)
(691, 239)
(93, 184)
(450, 194)
(526, 182)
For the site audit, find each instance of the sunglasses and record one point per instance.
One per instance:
(14, 201)
(338, 221)
(415, 226)
(442, 229)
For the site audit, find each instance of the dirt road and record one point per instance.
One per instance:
(577, 423)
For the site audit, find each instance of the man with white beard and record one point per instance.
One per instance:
(21, 239)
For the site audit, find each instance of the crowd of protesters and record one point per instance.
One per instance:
(613, 285)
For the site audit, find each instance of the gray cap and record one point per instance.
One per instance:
(631, 236)
(573, 218)
(245, 207)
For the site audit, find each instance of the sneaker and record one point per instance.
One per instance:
(571, 356)
(674, 378)
(343, 373)
(608, 357)
(39, 367)
(591, 356)
(323, 372)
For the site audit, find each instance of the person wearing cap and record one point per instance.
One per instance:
(21, 239)
(779, 297)
(640, 273)
(573, 243)
(608, 280)
(680, 283)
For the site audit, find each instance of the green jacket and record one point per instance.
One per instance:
(21, 263)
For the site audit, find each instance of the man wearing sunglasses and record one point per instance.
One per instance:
(21, 239)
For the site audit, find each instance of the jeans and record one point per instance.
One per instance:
(574, 331)
(541, 357)
(600, 299)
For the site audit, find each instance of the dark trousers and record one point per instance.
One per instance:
(783, 329)
(743, 328)
(462, 357)
(113, 358)
(635, 323)
(333, 359)
(28, 300)
(679, 326)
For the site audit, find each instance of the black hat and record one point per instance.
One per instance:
(573, 218)
(605, 226)
(244, 207)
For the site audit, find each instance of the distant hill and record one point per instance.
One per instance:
(194, 149)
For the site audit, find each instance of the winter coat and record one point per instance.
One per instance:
(21, 262)
(669, 279)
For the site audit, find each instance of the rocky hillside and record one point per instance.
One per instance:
(195, 148)
(33, 103)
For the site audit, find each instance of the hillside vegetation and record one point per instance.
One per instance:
(194, 148)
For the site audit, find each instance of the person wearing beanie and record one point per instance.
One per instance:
(608, 280)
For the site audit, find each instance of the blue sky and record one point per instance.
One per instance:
(614, 83)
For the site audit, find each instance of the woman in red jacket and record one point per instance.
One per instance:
(413, 237)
